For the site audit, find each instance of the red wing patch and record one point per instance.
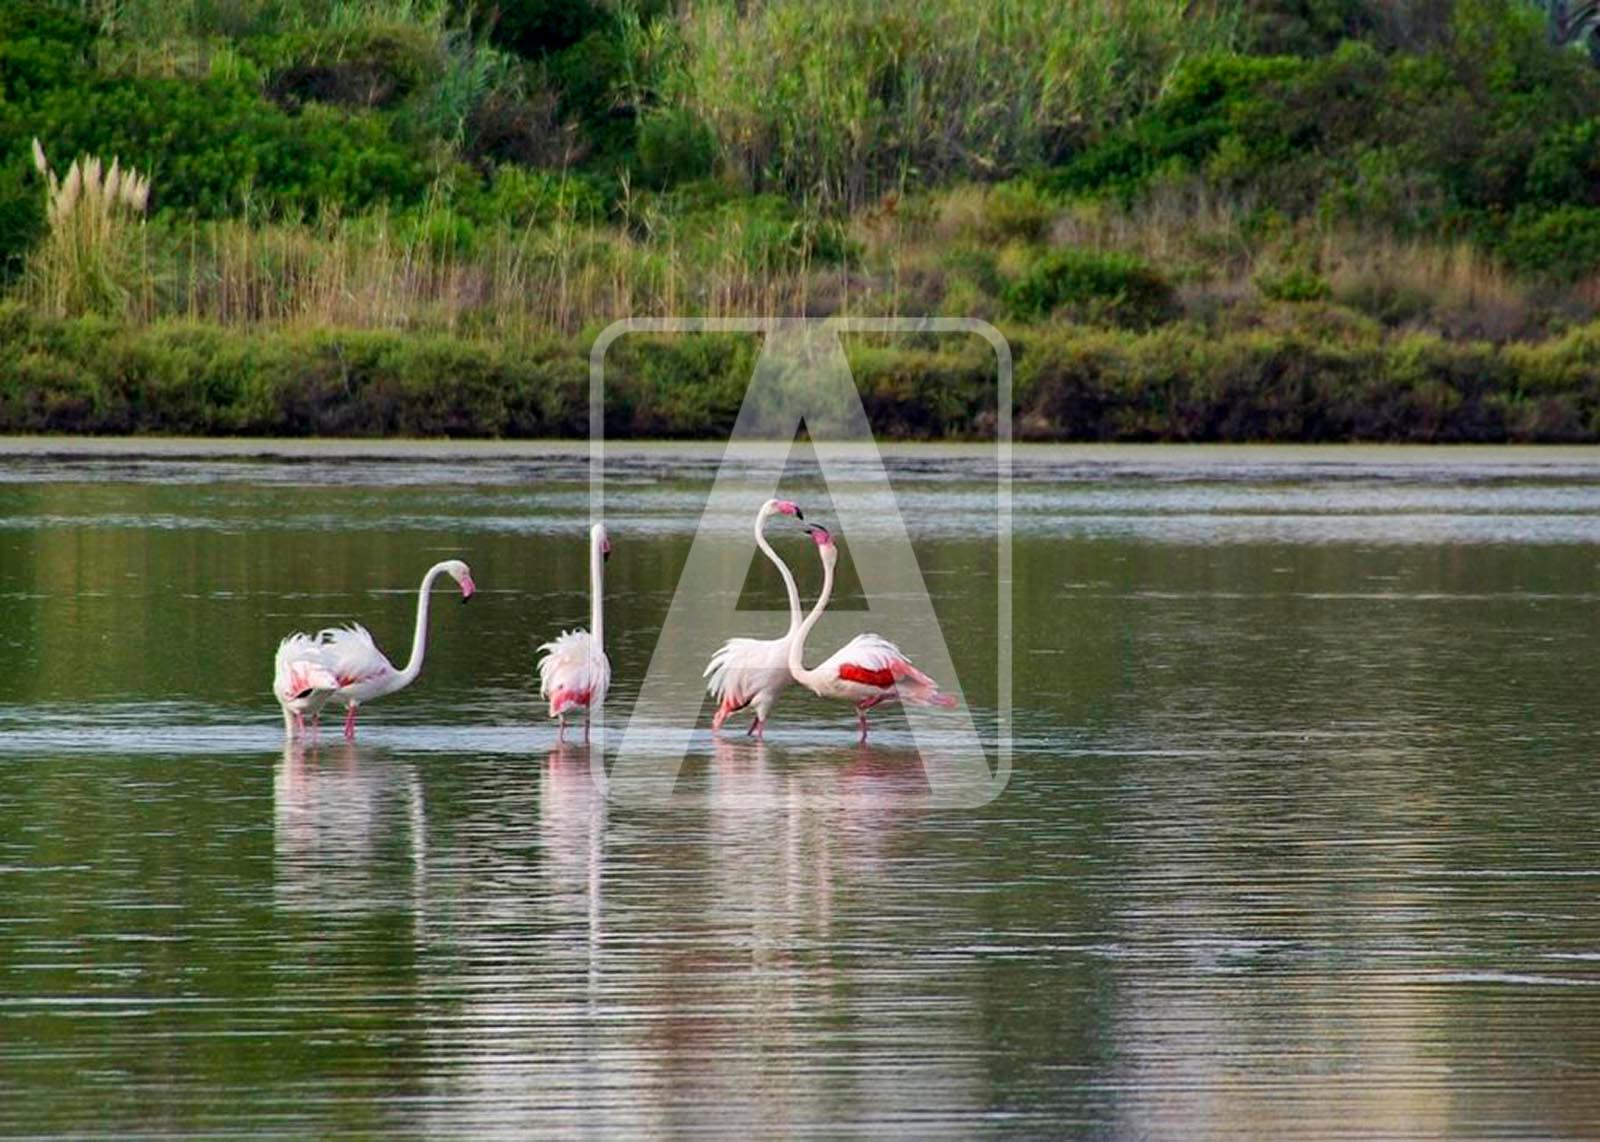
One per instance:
(567, 698)
(882, 679)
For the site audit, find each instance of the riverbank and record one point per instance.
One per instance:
(1297, 374)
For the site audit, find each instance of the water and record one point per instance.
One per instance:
(1299, 841)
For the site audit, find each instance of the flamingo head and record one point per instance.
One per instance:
(462, 574)
(601, 541)
(782, 507)
(824, 541)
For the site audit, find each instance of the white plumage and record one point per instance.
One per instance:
(574, 672)
(867, 671)
(301, 680)
(754, 672)
(348, 656)
(748, 672)
(361, 667)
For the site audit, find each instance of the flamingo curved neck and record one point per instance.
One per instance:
(597, 592)
(419, 639)
(797, 646)
(783, 569)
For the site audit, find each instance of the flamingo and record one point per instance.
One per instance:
(869, 670)
(754, 671)
(302, 682)
(362, 671)
(575, 673)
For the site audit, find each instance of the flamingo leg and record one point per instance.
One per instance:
(586, 729)
(350, 723)
(561, 734)
(754, 726)
(861, 720)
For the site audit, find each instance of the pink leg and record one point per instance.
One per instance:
(586, 729)
(755, 729)
(861, 720)
(561, 734)
(350, 723)
(299, 724)
(760, 729)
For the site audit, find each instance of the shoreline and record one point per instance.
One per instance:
(433, 450)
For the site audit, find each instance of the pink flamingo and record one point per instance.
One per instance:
(754, 671)
(575, 673)
(302, 682)
(362, 670)
(869, 670)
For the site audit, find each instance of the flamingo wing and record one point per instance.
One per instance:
(352, 655)
(728, 670)
(574, 673)
(745, 672)
(872, 660)
(300, 669)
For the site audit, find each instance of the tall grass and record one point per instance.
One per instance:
(90, 260)
(845, 102)
(158, 21)
(383, 271)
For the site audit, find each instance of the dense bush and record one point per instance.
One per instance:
(215, 145)
(371, 66)
(42, 48)
(1176, 383)
(1114, 288)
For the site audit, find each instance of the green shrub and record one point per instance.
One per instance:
(1018, 210)
(1295, 284)
(1111, 287)
(1195, 114)
(42, 48)
(21, 216)
(675, 146)
(368, 66)
(536, 28)
(1561, 244)
(521, 198)
(212, 143)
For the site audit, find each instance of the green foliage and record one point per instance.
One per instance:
(847, 102)
(1562, 243)
(1204, 105)
(524, 198)
(369, 66)
(674, 147)
(1295, 284)
(1018, 210)
(21, 216)
(42, 48)
(1116, 288)
(213, 145)
(1175, 383)
(536, 28)
(1305, 27)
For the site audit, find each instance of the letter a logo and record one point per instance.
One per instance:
(803, 380)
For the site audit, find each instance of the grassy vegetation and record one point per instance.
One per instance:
(1195, 219)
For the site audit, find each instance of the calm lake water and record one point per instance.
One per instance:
(1300, 838)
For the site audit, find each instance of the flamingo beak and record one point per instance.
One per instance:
(798, 514)
(467, 590)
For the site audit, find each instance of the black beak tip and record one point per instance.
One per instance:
(799, 515)
(465, 599)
